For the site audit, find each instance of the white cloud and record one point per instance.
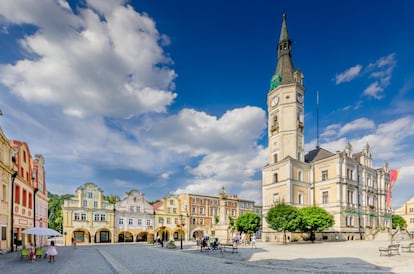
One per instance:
(388, 140)
(374, 90)
(107, 64)
(358, 124)
(348, 75)
(382, 71)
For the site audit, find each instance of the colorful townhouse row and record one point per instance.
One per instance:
(88, 218)
(23, 193)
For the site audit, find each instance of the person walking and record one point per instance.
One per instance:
(73, 242)
(253, 240)
(52, 252)
(31, 253)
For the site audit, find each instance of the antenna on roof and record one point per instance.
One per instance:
(317, 119)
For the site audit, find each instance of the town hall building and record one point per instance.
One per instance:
(344, 182)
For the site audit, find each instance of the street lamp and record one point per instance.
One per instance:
(181, 229)
(14, 175)
(35, 190)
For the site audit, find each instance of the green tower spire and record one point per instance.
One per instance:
(284, 69)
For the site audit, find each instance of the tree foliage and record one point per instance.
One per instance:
(397, 220)
(315, 219)
(111, 198)
(55, 211)
(248, 223)
(284, 218)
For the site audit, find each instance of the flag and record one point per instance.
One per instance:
(393, 178)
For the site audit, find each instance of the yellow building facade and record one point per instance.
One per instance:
(344, 183)
(6, 172)
(87, 217)
(407, 212)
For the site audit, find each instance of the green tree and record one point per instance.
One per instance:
(55, 211)
(111, 198)
(315, 219)
(248, 223)
(284, 218)
(397, 220)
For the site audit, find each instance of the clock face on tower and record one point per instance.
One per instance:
(275, 101)
(299, 98)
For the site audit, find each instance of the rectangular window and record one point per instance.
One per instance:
(84, 203)
(201, 210)
(201, 201)
(193, 221)
(83, 216)
(148, 222)
(201, 221)
(90, 195)
(193, 209)
(120, 221)
(138, 209)
(4, 194)
(411, 209)
(325, 197)
(96, 217)
(193, 200)
(175, 220)
(324, 175)
(130, 221)
(169, 210)
(3, 233)
(17, 194)
(139, 222)
(30, 200)
(95, 203)
(275, 178)
(168, 220)
(174, 210)
(171, 202)
(24, 197)
(300, 198)
(103, 217)
(276, 198)
(77, 216)
(233, 212)
(350, 197)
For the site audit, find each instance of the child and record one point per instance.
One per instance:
(31, 253)
(52, 252)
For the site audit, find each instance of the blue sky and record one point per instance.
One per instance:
(170, 96)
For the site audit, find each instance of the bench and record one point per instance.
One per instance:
(232, 247)
(390, 250)
(408, 248)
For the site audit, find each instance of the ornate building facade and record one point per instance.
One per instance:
(344, 183)
(210, 215)
(6, 172)
(23, 201)
(134, 218)
(87, 217)
(169, 218)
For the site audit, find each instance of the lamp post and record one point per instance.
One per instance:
(34, 210)
(14, 175)
(181, 230)
(161, 220)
